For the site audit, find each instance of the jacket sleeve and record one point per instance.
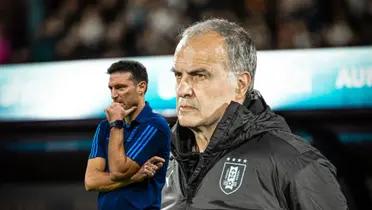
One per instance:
(315, 187)
(171, 194)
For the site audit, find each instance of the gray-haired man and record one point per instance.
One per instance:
(230, 150)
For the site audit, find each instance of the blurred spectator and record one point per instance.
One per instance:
(260, 31)
(339, 34)
(42, 48)
(5, 49)
(114, 41)
(293, 34)
(65, 48)
(114, 28)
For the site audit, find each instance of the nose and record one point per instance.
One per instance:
(114, 94)
(184, 89)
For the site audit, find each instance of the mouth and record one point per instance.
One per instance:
(117, 101)
(121, 103)
(186, 108)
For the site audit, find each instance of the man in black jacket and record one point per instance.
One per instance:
(230, 150)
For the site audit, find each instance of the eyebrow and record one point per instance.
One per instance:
(173, 70)
(192, 72)
(116, 86)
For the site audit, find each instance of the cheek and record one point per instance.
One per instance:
(127, 92)
(217, 93)
(123, 93)
(212, 98)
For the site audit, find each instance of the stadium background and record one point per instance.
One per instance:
(43, 160)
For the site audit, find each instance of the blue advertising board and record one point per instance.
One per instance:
(314, 79)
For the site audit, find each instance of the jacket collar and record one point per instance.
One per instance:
(238, 124)
(145, 114)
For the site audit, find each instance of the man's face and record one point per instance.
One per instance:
(204, 85)
(123, 89)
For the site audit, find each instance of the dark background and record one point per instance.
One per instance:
(48, 30)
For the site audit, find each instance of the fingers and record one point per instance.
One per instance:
(115, 112)
(159, 164)
(156, 159)
(115, 107)
(130, 110)
(152, 166)
(149, 171)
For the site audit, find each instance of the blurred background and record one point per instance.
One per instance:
(44, 158)
(47, 30)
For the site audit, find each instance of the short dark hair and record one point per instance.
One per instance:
(137, 69)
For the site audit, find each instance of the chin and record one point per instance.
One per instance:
(127, 106)
(187, 122)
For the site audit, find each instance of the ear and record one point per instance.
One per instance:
(243, 82)
(141, 87)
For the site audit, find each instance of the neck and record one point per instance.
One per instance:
(136, 112)
(203, 135)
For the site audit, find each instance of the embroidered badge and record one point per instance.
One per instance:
(232, 175)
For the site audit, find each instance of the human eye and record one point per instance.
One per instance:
(121, 87)
(199, 76)
(177, 75)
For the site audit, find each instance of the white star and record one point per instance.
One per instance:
(245, 161)
(228, 159)
(239, 160)
(233, 159)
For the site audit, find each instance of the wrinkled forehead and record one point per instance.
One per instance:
(208, 48)
(121, 77)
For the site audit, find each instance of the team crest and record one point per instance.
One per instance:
(232, 175)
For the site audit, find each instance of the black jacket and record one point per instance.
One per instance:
(253, 161)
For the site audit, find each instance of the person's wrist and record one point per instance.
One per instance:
(117, 124)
